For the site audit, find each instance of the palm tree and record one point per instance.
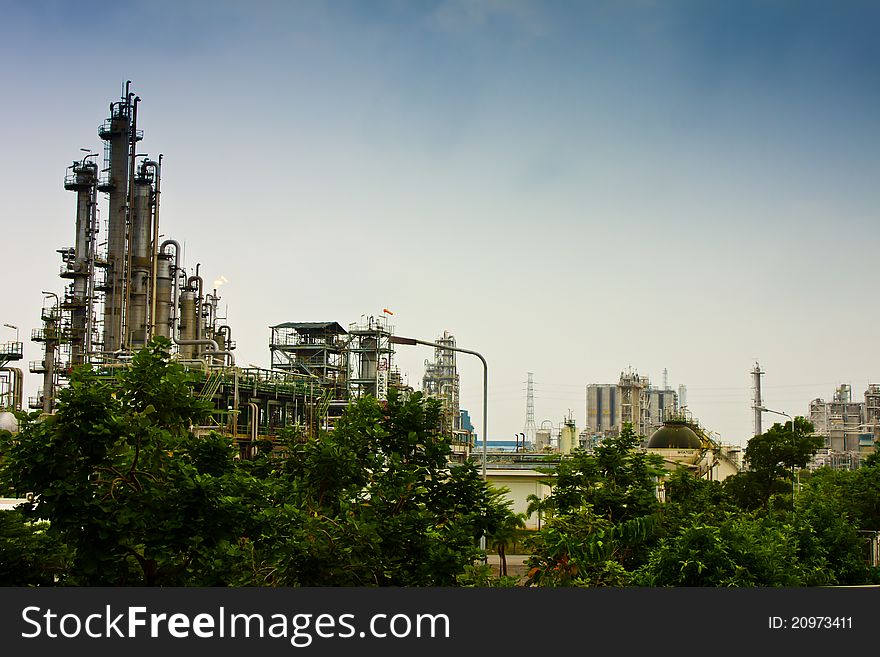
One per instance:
(541, 505)
(506, 531)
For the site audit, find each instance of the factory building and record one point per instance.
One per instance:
(850, 428)
(631, 400)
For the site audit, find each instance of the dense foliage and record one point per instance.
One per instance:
(131, 496)
(124, 493)
(601, 512)
(601, 528)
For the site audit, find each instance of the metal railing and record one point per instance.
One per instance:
(11, 350)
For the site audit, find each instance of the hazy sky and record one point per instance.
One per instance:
(570, 188)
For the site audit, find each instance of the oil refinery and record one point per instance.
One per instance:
(124, 284)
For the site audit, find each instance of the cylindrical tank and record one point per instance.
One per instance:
(220, 339)
(188, 324)
(8, 422)
(141, 223)
(137, 316)
(164, 292)
(85, 176)
(567, 438)
(141, 263)
(369, 361)
(542, 439)
(116, 130)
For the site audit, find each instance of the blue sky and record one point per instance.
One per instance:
(571, 188)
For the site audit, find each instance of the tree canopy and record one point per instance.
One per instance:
(125, 493)
(605, 529)
(134, 497)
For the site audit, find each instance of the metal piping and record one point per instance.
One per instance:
(123, 324)
(201, 288)
(255, 418)
(140, 259)
(49, 357)
(157, 167)
(216, 351)
(224, 329)
(223, 353)
(174, 328)
(211, 303)
(90, 254)
(15, 394)
(206, 341)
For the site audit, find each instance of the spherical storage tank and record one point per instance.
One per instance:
(674, 436)
(8, 422)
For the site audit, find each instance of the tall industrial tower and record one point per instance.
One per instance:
(121, 136)
(530, 429)
(116, 300)
(370, 354)
(757, 403)
(633, 402)
(441, 381)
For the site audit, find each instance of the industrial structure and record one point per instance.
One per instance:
(441, 381)
(11, 378)
(125, 285)
(850, 428)
(682, 442)
(757, 401)
(631, 400)
(129, 288)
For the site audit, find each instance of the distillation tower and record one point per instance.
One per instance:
(370, 353)
(441, 381)
(120, 297)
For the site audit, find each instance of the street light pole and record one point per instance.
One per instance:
(16, 330)
(397, 339)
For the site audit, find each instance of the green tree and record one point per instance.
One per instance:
(29, 556)
(604, 511)
(540, 505)
(505, 525)
(617, 479)
(834, 508)
(708, 539)
(137, 498)
(581, 548)
(122, 480)
(734, 549)
(773, 456)
(374, 502)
